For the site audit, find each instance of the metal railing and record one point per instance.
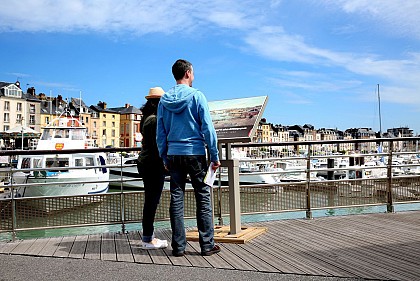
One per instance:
(233, 196)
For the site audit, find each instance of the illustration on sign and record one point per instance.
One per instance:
(237, 119)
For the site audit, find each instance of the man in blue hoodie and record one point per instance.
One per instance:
(184, 127)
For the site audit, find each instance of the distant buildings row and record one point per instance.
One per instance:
(120, 126)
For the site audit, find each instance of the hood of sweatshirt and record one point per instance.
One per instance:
(177, 98)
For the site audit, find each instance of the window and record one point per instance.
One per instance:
(94, 124)
(113, 116)
(78, 162)
(103, 123)
(104, 115)
(47, 120)
(103, 132)
(13, 91)
(19, 106)
(113, 133)
(6, 127)
(32, 108)
(90, 161)
(6, 118)
(32, 119)
(6, 105)
(113, 124)
(87, 119)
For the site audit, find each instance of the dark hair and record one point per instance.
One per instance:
(149, 108)
(180, 67)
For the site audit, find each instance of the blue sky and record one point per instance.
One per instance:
(318, 61)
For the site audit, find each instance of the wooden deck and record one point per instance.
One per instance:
(374, 246)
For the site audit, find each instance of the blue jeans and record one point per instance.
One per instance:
(196, 167)
(153, 179)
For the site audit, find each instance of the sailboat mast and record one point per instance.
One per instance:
(380, 118)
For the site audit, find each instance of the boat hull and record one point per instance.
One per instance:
(61, 185)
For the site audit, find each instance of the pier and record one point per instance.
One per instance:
(384, 246)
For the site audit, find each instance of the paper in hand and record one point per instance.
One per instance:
(210, 175)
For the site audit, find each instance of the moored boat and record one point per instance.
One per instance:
(62, 174)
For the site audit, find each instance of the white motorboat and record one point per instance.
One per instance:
(62, 174)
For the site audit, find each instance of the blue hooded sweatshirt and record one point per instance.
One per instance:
(184, 124)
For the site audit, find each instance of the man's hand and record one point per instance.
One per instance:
(215, 165)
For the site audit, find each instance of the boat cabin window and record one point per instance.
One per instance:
(62, 133)
(77, 135)
(37, 163)
(57, 162)
(90, 161)
(78, 162)
(26, 163)
(31, 163)
(46, 135)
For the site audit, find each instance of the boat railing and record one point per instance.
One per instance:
(232, 198)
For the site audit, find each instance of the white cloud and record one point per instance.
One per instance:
(398, 17)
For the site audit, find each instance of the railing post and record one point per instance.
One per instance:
(12, 194)
(234, 195)
(122, 206)
(308, 184)
(389, 202)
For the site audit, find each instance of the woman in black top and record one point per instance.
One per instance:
(151, 168)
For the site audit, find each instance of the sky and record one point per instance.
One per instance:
(329, 63)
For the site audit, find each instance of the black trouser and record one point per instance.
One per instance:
(153, 179)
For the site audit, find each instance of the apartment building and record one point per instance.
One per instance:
(105, 126)
(130, 117)
(18, 109)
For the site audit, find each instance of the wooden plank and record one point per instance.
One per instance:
(305, 245)
(93, 247)
(123, 248)
(51, 246)
(79, 247)
(37, 246)
(215, 261)
(108, 247)
(284, 245)
(65, 246)
(194, 255)
(9, 246)
(366, 254)
(246, 255)
(181, 261)
(139, 255)
(366, 237)
(23, 247)
(233, 260)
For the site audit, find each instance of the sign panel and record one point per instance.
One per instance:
(236, 120)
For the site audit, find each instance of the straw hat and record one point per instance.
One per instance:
(155, 93)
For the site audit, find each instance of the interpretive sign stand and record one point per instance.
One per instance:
(236, 120)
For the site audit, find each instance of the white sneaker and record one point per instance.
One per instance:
(154, 244)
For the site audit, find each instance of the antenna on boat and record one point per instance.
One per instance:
(380, 118)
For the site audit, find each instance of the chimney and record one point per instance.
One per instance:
(127, 105)
(31, 91)
(102, 104)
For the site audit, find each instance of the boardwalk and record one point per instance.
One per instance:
(374, 246)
